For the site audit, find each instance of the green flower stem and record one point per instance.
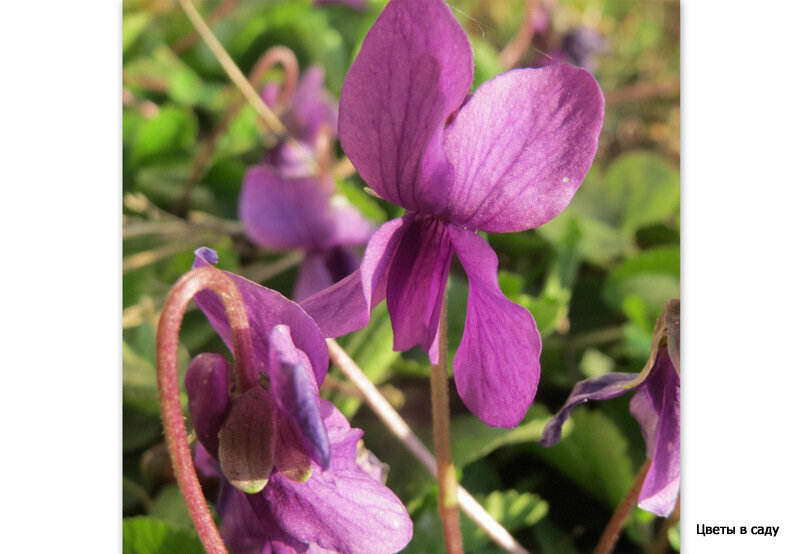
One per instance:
(445, 470)
(169, 386)
(611, 533)
(400, 429)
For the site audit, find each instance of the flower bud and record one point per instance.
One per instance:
(247, 441)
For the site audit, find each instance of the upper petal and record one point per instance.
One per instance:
(604, 387)
(312, 106)
(521, 146)
(345, 306)
(496, 367)
(417, 280)
(414, 70)
(265, 309)
(658, 400)
(342, 509)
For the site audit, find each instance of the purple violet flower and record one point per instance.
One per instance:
(291, 478)
(655, 405)
(284, 205)
(507, 158)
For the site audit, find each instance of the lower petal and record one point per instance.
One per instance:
(342, 509)
(496, 367)
(417, 279)
(345, 306)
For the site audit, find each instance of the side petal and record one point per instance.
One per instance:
(283, 213)
(417, 279)
(610, 385)
(342, 509)
(659, 399)
(345, 306)
(265, 309)
(496, 367)
(296, 393)
(414, 70)
(206, 383)
(521, 147)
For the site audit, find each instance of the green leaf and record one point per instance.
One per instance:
(148, 535)
(472, 439)
(512, 509)
(173, 131)
(594, 455)
(362, 201)
(170, 506)
(642, 189)
(595, 363)
(133, 24)
(652, 277)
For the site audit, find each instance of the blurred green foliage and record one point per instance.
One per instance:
(595, 277)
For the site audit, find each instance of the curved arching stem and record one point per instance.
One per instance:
(204, 278)
(286, 58)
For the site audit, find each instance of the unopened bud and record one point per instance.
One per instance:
(247, 441)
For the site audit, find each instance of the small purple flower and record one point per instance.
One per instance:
(507, 158)
(655, 405)
(291, 479)
(284, 205)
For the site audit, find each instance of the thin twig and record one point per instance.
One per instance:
(276, 54)
(514, 50)
(189, 39)
(273, 123)
(397, 425)
(611, 533)
(343, 169)
(142, 259)
(445, 470)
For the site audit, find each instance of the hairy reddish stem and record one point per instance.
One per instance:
(169, 386)
(445, 470)
(611, 533)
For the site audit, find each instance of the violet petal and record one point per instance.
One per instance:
(207, 388)
(414, 70)
(296, 392)
(312, 106)
(659, 396)
(416, 284)
(496, 367)
(283, 213)
(345, 306)
(266, 309)
(521, 147)
(604, 387)
(313, 276)
(342, 509)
